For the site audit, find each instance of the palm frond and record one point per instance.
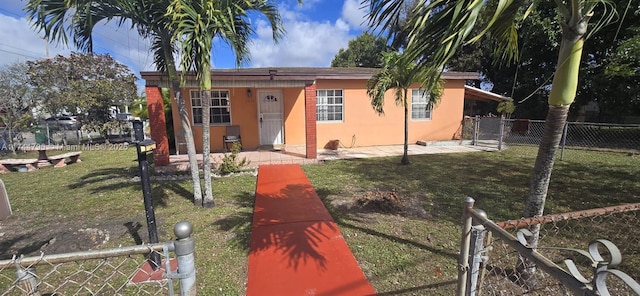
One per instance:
(49, 16)
(608, 15)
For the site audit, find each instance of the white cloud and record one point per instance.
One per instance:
(125, 45)
(354, 14)
(305, 44)
(19, 42)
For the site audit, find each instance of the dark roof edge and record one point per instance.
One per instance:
(284, 73)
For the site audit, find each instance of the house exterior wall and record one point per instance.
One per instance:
(362, 126)
(244, 112)
(294, 116)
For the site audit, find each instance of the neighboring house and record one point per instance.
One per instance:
(311, 107)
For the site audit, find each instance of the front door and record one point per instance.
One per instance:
(270, 117)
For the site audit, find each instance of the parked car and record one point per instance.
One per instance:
(63, 121)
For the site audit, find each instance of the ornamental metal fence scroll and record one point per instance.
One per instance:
(492, 264)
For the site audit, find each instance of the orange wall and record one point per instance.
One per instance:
(244, 112)
(362, 126)
(294, 116)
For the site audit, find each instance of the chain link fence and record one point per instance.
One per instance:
(495, 131)
(119, 271)
(53, 134)
(593, 252)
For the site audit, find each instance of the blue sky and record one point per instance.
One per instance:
(315, 31)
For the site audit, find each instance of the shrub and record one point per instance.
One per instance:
(231, 163)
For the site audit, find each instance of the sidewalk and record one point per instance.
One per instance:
(296, 248)
(296, 154)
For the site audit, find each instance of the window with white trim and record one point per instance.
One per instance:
(329, 105)
(420, 109)
(219, 108)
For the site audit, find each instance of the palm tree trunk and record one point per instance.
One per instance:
(563, 92)
(405, 155)
(552, 134)
(187, 132)
(206, 147)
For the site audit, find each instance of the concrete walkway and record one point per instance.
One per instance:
(296, 248)
(296, 154)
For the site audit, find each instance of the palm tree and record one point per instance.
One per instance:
(399, 75)
(197, 22)
(437, 28)
(147, 16)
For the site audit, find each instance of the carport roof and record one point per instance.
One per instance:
(477, 94)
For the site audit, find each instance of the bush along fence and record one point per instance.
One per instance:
(118, 271)
(495, 258)
(496, 131)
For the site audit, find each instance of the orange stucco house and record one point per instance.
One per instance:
(306, 107)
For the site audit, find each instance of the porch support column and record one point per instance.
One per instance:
(311, 139)
(157, 122)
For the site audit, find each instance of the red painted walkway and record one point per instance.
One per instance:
(296, 247)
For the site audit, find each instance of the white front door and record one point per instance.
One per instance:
(270, 117)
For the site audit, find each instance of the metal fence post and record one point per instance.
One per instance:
(48, 134)
(564, 139)
(476, 248)
(502, 122)
(184, 249)
(476, 130)
(463, 257)
(27, 280)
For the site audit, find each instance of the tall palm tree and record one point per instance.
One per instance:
(399, 75)
(197, 22)
(148, 16)
(437, 28)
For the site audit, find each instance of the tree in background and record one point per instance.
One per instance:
(398, 75)
(88, 85)
(529, 81)
(364, 51)
(16, 104)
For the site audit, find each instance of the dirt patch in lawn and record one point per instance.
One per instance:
(381, 200)
(31, 235)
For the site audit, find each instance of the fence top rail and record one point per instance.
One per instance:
(606, 124)
(632, 125)
(573, 284)
(524, 222)
(84, 255)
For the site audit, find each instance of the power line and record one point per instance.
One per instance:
(21, 49)
(20, 54)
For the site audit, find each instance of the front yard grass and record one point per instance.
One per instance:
(401, 222)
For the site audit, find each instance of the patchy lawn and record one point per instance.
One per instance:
(401, 222)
